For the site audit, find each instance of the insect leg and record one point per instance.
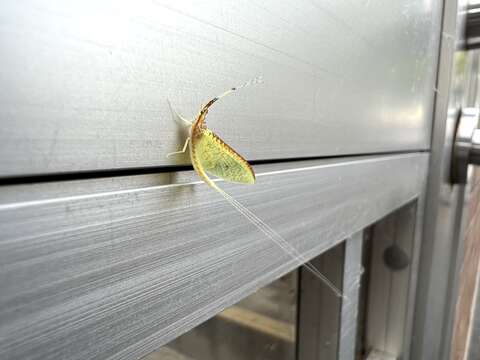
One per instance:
(179, 119)
(181, 151)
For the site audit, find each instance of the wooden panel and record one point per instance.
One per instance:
(474, 331)
(84, 84)
(462, 340)
(117, 267)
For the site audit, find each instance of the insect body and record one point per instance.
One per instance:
(209, 154)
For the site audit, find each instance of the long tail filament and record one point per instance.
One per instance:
(278, 239)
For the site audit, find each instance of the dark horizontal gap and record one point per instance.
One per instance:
(95, 174)
(328, 157)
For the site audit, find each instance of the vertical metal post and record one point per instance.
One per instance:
(319, 308)
(352, 274)
(393, 272)
(442, 245)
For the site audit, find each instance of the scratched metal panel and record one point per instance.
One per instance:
(114, 268)
(353, 271)
(83, 84)
(318, 326)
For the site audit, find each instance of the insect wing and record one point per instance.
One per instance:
(219, 159)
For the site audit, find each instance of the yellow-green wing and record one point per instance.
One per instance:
(219, 159)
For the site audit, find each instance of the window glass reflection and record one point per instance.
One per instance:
(260, 327)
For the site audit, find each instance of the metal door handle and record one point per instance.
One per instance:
(474, 157)
(466, 146)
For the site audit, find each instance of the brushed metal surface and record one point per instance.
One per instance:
(84, 84)
(352, 276)
(319, 308)
(114, 268)
(265, 320)
(390, 307)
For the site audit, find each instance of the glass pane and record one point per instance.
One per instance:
(260, 327)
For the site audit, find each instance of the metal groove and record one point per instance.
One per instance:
(111, 173)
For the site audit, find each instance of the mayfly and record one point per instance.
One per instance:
(209, 154)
